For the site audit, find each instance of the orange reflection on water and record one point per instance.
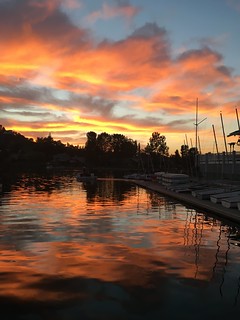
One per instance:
(54, 235)
(109, 262)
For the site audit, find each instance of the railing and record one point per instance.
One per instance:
(224, 165)
(214, 158)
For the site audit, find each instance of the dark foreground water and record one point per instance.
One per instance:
(111, 250)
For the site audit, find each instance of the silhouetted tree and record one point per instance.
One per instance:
(175, 162)
(122, 146)
(158, 150)
(104, 143)
(91, 147)
(157, 144)
(49, 146)
(177, 155)
(184, 150)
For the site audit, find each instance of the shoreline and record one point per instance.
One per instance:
(216, 209)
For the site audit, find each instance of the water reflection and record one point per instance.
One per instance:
(106, 191)
(112, 250)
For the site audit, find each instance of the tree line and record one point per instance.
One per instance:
(106, 150)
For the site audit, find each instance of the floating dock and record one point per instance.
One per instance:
(216, 209)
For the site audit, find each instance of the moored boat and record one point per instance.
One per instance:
(206, 194)
(86, 177)
(231, 202)
(217, 198)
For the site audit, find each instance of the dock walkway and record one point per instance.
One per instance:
(216, 209)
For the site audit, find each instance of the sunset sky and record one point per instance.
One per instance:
(120, 66)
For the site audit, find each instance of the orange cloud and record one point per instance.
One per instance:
(133, 85)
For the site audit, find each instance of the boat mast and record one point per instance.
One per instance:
(224, 136)
(238, 142)
(237, 119)
(196, 124)
(186, 140)
(214, 133)
(199, 145)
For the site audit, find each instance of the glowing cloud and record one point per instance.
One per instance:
(53, 72)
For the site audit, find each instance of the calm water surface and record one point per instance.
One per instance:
(112, 250)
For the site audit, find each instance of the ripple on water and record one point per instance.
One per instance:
(112, 250)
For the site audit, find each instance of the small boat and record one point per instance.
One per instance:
(231, 202)
(206, 194)
(217, 198)
(174, 179)
(86, 177)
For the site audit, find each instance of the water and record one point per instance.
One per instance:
(111, 250)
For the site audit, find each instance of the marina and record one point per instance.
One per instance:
(119, 160)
